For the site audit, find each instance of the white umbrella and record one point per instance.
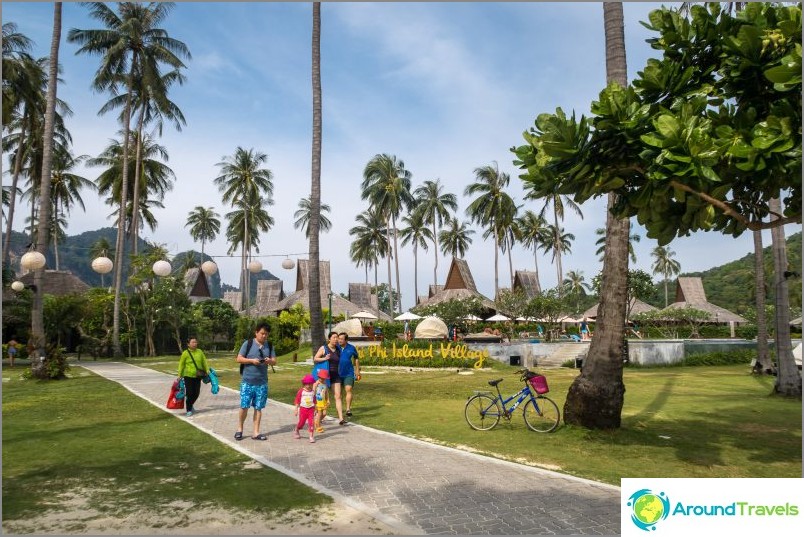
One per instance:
(498, 317)
(528, 319)
(472, 317)
(364, 315)
(407, 316)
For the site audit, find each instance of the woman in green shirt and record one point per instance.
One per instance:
(193, 367)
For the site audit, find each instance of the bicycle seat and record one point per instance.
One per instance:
(495, 382)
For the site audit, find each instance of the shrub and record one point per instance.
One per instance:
(720, 358)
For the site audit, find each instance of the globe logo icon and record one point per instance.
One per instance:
(648, 508)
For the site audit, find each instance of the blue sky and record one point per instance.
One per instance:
(446, 87)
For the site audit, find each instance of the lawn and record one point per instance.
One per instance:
(86, 435)
(708, 421)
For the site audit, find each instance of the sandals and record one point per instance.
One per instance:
(349, 413)
(260, 437)
(342, 422)
(239, 435)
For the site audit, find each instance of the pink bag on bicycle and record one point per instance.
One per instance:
(539, 384)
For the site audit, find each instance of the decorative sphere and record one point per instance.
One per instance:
(32, 261)
(102, 265)
(288, 264)
(18, 286)
(162, 268)
(209, 268)
(254, 267)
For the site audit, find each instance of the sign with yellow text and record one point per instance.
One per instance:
(446, 350)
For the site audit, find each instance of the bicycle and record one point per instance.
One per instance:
(483, 412)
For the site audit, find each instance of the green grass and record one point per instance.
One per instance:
(85, 432)
(89, 436)
(712, 421)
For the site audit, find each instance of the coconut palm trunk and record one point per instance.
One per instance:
(496, 265)
(596, 397)
(135, 201)
(13, 196)
(435, 253)
(316, 317)
(38, 368)
(396, 263)
(390, 284)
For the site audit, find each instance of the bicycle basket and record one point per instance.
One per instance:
(539, 384)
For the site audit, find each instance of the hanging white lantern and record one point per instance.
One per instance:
(162, 268)
(32, 261)
(209, 268)
(102, 265)
(18, 286)
(254, 267)
(288, 263)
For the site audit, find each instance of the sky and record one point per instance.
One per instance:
(445, 87)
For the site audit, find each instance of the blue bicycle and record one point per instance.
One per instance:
(483, 411)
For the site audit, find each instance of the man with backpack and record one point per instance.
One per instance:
(255, 356)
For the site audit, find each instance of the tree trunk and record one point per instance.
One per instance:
(511, 264)
(134, 231)
(596, 396)
(665, 291)
(788, 379)
(435, 267)
(536, 271)
(390, 285)
(121, 221)
(56, 236)
(763, 358)
(557, 253)
(316, 318)
(39, 368)
(13, 196)
(496, 268)
(415, 273)
(396, 264)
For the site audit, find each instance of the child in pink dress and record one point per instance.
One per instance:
(305, 407)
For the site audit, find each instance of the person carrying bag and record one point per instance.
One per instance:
(192, 368)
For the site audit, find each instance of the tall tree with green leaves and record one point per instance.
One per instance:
(130, 43)
(386, 184)
(436, 205)
(601, 244)
(575, 286)
(204, 224)
(455, 238)
(665, 265)
(304, 213)
(559, 203)
(533, 232)
(416, 233)
(491, 207)
(370, 241)
(66, 187)
(247, 186)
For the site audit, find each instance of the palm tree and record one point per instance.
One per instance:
(15, 54)
(532, 230)
(304, 213)
(130, 41)
(417, 233)
(560, 203)
(575, 285)
(247, 185)
(66, 187)
(436, 206)
(559, 243)
(204, 224)
(386, 184)
(37, 311)
(509, 234)
(101, 248)
(665, 265)
(492, 206)
(370, 240)
(314, 293)
(601, 244)
(455, 238)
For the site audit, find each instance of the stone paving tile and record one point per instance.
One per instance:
(413, 486)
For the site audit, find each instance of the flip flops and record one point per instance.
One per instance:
(239, 435)
(260, 437)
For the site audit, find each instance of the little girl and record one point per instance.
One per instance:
(321, 398)
(305, 407)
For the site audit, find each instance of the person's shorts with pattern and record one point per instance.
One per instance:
(255, 395)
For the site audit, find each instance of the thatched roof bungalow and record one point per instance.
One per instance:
(57, 283)
(528, 282)
(690, 294)
(459, 285)
(636, 307)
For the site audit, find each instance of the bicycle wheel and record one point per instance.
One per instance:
(541, 415)
(482, 412)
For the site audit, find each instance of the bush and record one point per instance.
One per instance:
(720, 358)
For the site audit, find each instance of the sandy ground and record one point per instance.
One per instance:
(179, 518)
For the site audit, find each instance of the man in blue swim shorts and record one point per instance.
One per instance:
(255, 355)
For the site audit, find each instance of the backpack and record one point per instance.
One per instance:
(248, 348)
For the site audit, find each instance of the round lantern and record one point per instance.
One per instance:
(32, 261)
(102, 265)
(254, 267)
(18, 286)
(162, 268)
(209, 268)
(288, 263)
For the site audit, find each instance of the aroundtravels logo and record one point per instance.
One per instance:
(648, 508)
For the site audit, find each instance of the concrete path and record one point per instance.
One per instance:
(413, 486)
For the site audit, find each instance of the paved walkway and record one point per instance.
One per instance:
(413, 486)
